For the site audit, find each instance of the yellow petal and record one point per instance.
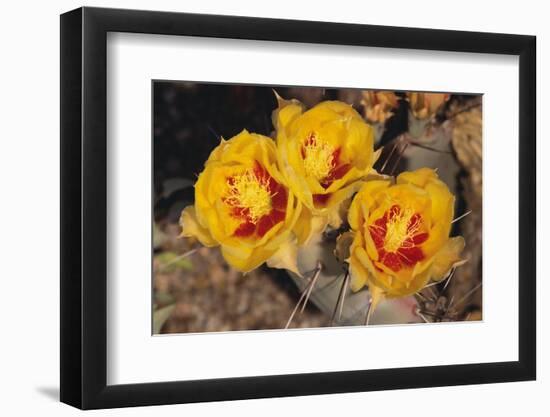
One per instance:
(419, 177)
(302, 227)
(375, 175)
(332, 106)
(359, 274)
(377, 295)
(317, 224)
(409, 288)
(283, 116)
(364, 198)
(442, 203)
(447, 258)
(243, 260)
(285, 257)
(190, 227)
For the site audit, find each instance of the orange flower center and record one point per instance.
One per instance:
(397, 236)
(256, 200)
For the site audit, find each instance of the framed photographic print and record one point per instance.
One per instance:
(257, 208)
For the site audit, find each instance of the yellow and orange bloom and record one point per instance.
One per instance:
(243, 205)
(379, 105)
(400, 234)
(322, 153)
(426, 105)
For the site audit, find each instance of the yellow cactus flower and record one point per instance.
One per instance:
(379, 105)
(243, 204)
(426, 105)
(401, 234)
(322, 153)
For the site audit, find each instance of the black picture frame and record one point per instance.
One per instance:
(84, 207)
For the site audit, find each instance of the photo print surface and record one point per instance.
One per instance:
(279, 207)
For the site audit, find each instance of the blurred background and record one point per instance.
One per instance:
(196, 291)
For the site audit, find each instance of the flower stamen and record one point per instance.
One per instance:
(318, 157)
(250, 193)
(401, 227)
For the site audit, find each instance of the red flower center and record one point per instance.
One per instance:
(257, 201)
(397, 236)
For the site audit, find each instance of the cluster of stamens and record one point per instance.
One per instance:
(250, 194)
(401, 226)
(318, 157)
